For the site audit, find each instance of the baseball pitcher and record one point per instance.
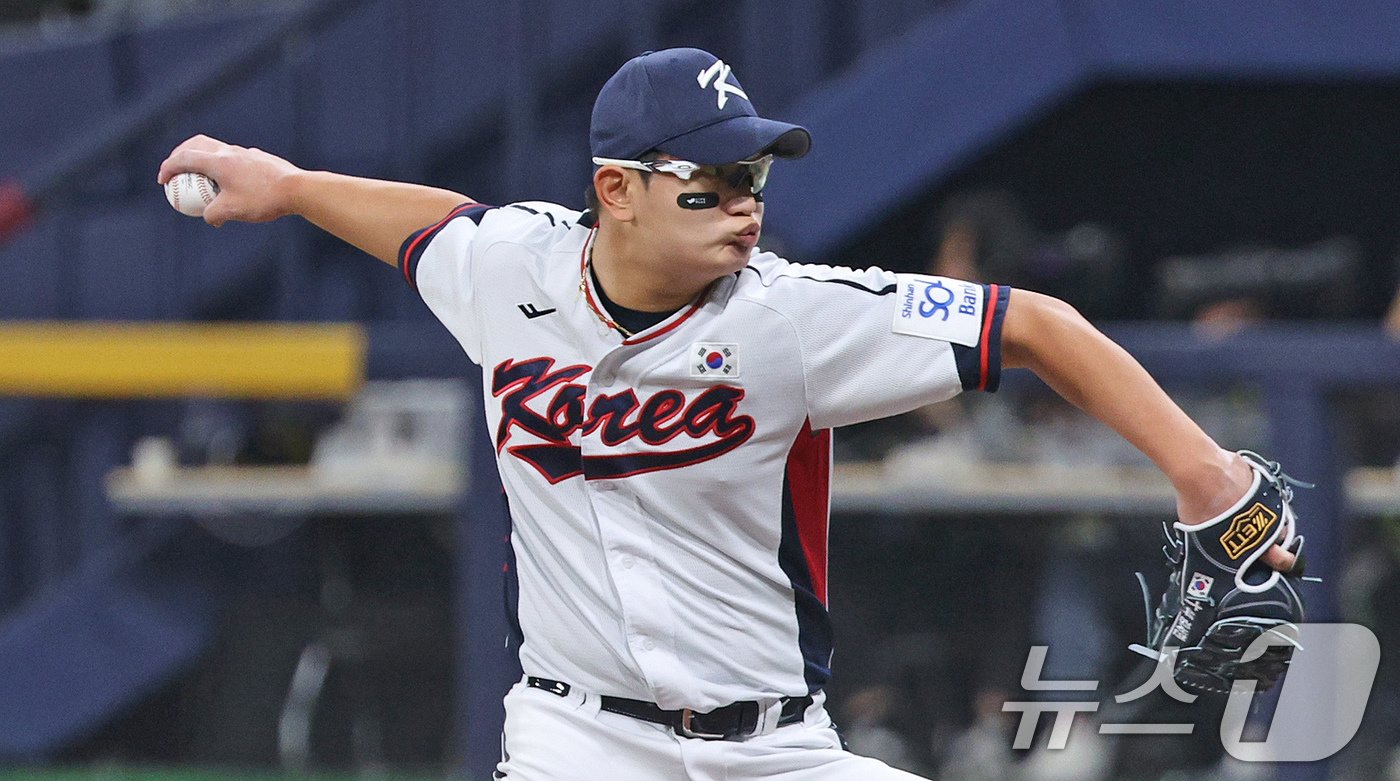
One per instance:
(661, 393)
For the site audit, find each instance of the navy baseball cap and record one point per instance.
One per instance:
(686, 103)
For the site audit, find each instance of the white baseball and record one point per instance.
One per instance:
(189, 193)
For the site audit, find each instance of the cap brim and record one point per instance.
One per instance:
(739, 138)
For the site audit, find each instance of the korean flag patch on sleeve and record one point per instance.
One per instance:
(939, 308)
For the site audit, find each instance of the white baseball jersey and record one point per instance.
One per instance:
(669, 490)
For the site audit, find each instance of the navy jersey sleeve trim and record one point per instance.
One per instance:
(979, 367)
(851, 283)
(535, 212)
(413, 247)
(884, 291)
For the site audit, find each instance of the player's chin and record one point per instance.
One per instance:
(732, 257)
(740, 248)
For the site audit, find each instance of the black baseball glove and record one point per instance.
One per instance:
(1221, 597)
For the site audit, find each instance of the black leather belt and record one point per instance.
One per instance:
(734, 721)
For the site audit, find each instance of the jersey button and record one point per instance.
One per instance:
(648, 645)
(605, 485)
(606, 378)
(627, 562)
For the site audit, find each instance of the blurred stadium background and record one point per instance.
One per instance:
(247, 520)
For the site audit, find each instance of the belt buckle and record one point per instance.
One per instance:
(686, 731)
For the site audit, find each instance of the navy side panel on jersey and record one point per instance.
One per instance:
(980, 367)
(413, 247)
(510, 591)
(802, 552)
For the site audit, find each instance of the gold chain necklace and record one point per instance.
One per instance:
(583, 287)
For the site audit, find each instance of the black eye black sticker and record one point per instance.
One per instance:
(697, 200)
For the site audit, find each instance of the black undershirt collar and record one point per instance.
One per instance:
(632, 320)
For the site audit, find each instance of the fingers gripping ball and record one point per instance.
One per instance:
(189, 193)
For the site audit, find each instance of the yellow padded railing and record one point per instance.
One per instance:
(112, 360)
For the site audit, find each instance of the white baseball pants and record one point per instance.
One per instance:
(553, 738)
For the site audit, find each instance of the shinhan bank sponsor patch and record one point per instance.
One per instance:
(939, 308)
(715, 360)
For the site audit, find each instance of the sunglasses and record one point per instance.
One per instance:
(733, 174)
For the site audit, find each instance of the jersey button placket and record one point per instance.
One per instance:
(634, 576)
(604, 372)
(622, 531)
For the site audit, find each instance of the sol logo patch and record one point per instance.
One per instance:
(1247, 529)
(938, 308)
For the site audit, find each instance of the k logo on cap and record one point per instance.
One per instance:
(719, 72)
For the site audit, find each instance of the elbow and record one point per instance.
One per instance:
(1036, 324)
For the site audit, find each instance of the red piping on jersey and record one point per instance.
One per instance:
(695, 307)
(408, 252)
(809, 482)
(987, 335)
(598, 310)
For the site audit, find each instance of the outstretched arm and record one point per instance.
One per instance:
(1053, 340)
(254, 186)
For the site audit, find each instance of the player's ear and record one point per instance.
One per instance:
(614, 191)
